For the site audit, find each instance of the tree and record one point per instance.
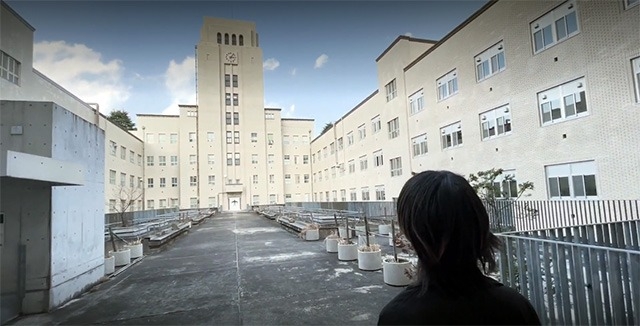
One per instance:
(326, 128)
(499, 196)
(126, 198)
(122, 119)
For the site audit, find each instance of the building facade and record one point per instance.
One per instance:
(548, 91)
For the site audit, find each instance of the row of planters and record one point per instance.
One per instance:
(396, 271)
(122, 255)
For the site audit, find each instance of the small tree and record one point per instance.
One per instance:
(122, 119)
(327, 127)
(498, 196)
(126, 198)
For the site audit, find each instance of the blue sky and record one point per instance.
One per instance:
(138, 55)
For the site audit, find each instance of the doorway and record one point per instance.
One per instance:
(234, 204)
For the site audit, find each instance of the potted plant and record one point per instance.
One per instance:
(343, 231)
(121, 256)
(396, 271)
(136, 248)
(109, 265)
(347, 249)
(369, 255)
(331, 241)
(311, 232)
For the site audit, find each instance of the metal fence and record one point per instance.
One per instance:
(373, 209)
(573, 283)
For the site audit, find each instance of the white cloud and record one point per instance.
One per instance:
(408, 34)
(181, 84)
(294, 71)
(270, 64)
(321, 60)
(83, 72)
(290, 111)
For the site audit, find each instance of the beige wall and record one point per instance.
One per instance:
(118, 194)
(296, 159)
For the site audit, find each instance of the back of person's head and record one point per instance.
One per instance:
(447, 224)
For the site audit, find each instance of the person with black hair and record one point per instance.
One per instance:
(448, 227)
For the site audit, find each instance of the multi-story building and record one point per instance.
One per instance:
(227, 151)
(548, 91)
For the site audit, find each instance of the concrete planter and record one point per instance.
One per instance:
(122, 257)
(332, 244)
(312, 235)
(136, 250)
(384, 229)
(342, 231)
(370, 260)
(395, 273)
(109, 265)
(347, 252)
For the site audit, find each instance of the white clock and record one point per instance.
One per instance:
(231, 57)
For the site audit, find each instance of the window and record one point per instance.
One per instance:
(326, 195)
(163, 182)
(173, 138)
(150, 204)
(416, 102)
(350, 138)
(10, 69)
(131, 156)
(270, 139)
(112, 205)
(174, 202)
(332, 148)
(150, 138)
(149, 160)
(340, 144)
(326, 174)
(363, 162)
(505, 185)
(254, 158)
(636, 73)
(378, 159)
(324, 152)
(305, 159)
(210, 158)
(630, 3)
(254, 137)
(272, 178)
(211, 179)
(496, 122)
(192, 159)
(376, 125)
(269, 116)
(287, 178)
(305, 139)
(192, 137)
(287, 159)
(380, 193)
(319, 175)
(362, 132)
(174, 182)
(236, 137)
(255, 179)
(210, 137)
(236, 101)
(343, 195)
(285, 140)
(572, 180)
(490, 62)
(256, 200)
(333, 172)
(394, 128)
(123, 179)
(193, 181)
(447, 85)
(227, 80)
(390, 90)
(563, 102)
(353, 194)
(272, 198)
(227, 116)
(229, 137)
(235, 77)
(139, 159)
(270, 158)
(227, 99)
(237, 158)
(555, 26)
(123, 152)
(352, 166)
(132, 181)
(365, 193)
(419, 145)
(396, 166)
(193, 202)
(162, 138)
(334, 195)
(174, 160)
(112, 177)
(149, 182)
(341, 168)
(236, 118)
(295, 139)
(162, 160)
(113, 147)
(305, 178)
(229, 159)
(451, 135)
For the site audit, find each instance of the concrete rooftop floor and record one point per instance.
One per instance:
(233, 269)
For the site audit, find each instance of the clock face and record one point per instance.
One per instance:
(231, 57)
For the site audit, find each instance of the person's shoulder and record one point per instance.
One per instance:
(398, 309)
(511, 302)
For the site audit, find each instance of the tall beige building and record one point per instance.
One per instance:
(227, 151)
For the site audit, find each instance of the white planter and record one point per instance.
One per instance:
(122, 257)
(343, 232)
(384, 229)
(395, 273)
(109, 265)
(361, 229)
(136, 250)
(332, 244)
(370, 260)
(312, 235)
(347, 251)
(362, 240)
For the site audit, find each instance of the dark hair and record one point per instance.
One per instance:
(448, 226)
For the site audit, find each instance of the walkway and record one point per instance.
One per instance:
(233, 269)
